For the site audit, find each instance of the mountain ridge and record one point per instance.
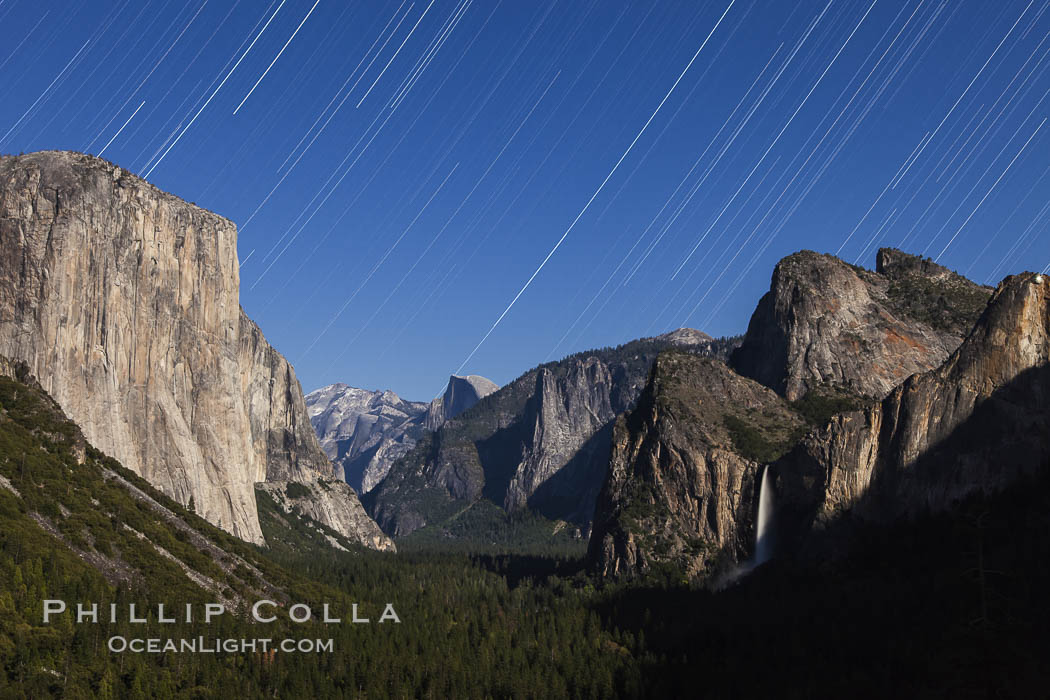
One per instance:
(364, 431)
(540, 442)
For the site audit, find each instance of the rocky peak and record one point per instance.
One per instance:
(334, 411)
(896, 264)
(541, 442)
(824, 322)
(461, 393)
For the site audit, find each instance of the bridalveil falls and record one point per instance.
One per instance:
(763, 532)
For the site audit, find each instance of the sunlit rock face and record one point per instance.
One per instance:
(364, 432)
(533, 443)
(977, 423)
(123, 300)
(824, 322)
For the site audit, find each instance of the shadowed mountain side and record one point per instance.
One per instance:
(572, 492)
(974, 425)
(682, 485)
(1005, 440)
(948, 605)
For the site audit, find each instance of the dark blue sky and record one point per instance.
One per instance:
(399, 172)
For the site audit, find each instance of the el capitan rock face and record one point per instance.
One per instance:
(824, 322)
(977, 423)
(682, 486)
(123, 300)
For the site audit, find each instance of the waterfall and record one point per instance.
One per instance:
(763, 531)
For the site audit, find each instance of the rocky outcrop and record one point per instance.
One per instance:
(567, 409)
(824, 322)
(686, 337)
(683, 477)
(123, 301)
(276, 411)
(364, 432)
(541, 442)
(460, 394)
(975, 424)
(334, 505)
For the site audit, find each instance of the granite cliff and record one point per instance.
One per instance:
(329, 505)
(460, 394)
(124, 301)
(825, 323)
(682, 485)
(977, 423)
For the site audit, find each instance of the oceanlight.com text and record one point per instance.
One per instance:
(213, 645)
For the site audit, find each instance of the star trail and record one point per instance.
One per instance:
(475, 186)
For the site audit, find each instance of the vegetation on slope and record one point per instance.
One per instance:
(465, 631)
(953, 604)
(946, 304)
(713, 403)
(485, 528)
(76, 526)
(753, 440)
(827, 400)
(924, 291)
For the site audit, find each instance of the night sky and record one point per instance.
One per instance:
(474, 186)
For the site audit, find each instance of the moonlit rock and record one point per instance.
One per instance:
(460, 394)
(124, 302)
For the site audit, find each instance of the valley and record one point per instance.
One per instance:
(617, 522)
